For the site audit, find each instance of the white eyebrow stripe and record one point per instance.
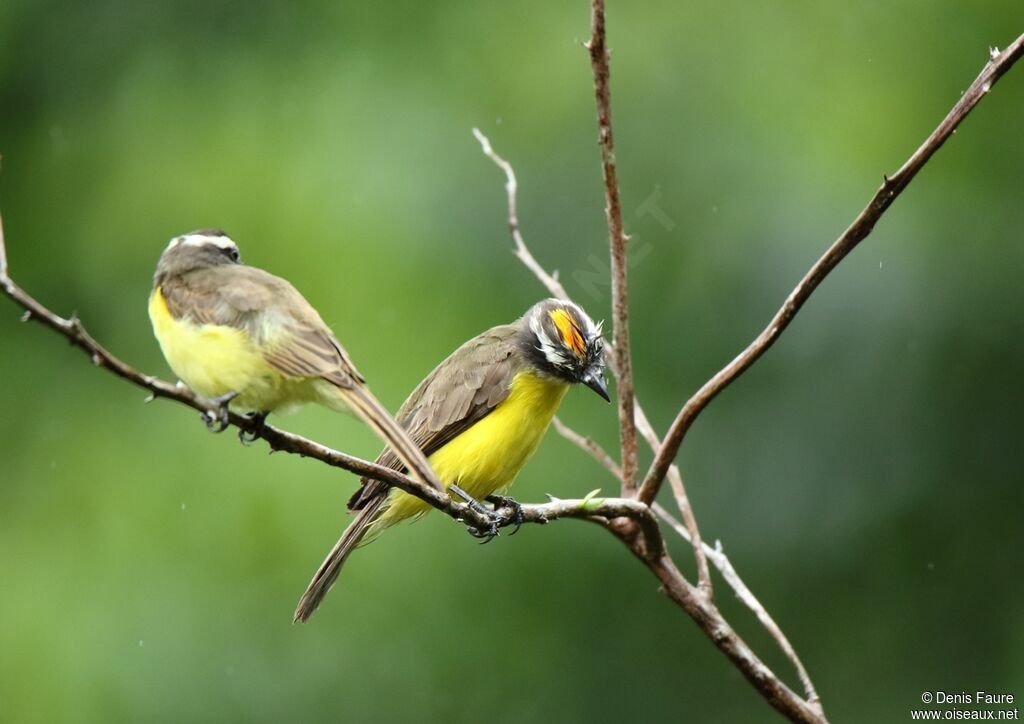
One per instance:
(202, 240)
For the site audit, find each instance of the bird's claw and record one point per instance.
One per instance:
(485, 534)
(495, 520)
(216, 421)
(503, 501)
(218, 418)
(247, 437)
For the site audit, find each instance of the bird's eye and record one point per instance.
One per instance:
(232, 253)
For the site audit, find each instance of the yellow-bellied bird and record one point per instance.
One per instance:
(240, 336)
(479, 416)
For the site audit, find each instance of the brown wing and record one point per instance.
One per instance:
(297, 341)
(462, 390)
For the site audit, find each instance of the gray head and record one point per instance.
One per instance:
(197, 250)
(562, 341)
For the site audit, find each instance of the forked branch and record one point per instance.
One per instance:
(697, 602)
(716, 554)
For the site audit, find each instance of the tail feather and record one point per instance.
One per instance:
(370, 411)
(365, 406)
(328, 572)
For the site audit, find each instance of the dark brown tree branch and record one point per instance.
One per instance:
(707, 616)
(600, 65)
(997, 65)
(716, 555)
(725, 567)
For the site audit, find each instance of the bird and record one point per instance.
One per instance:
(478, 416)
(241, 337)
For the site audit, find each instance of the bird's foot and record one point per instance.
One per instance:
(495, 520)
(490, 530)
(247, 437)
(218, 420)
(516, 518)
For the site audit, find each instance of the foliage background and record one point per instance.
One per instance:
(865, 476)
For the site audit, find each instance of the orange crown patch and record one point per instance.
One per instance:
(566, 327)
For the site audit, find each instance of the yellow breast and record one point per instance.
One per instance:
(214, 360)
(488, 456)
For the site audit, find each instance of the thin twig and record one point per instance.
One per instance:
(553, 285)
(710, 620)
(721, 561)
(891, 188)
(600, 65)
(591, 447)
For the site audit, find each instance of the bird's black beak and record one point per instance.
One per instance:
(595, 381)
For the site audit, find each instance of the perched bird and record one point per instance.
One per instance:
(479, 416)
(240, 336)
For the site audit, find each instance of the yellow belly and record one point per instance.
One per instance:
(488, 456)
(214, 360)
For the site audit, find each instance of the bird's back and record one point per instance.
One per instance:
(240, 328)
(478, 416)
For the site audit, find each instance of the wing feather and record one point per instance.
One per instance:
(459, 392)
(295, 340)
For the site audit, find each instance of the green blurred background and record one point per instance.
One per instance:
(864, 477)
